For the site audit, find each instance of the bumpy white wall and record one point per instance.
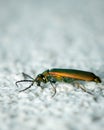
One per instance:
(36, 35)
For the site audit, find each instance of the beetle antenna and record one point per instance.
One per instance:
(26, 75)
(27, 87)
(22, 81)
(32, 82)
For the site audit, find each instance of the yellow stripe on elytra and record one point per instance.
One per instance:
(75, 76)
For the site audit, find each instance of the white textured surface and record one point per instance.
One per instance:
(36, 35)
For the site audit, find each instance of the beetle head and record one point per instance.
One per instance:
(40, 78)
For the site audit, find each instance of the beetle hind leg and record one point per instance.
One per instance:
(80, 86)
(83, 88)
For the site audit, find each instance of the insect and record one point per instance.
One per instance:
(60, 75)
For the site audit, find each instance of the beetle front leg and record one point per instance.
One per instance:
(54, 89)
(52, 82)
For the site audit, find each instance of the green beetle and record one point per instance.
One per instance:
(61, 75)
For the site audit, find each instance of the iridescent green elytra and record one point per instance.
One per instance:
(61, 75)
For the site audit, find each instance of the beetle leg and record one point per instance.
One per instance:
(52, 81)
(83, 88)
(53, 89)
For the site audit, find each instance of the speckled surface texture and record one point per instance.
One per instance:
(36, 35)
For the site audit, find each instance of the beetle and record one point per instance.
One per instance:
(60, 75)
